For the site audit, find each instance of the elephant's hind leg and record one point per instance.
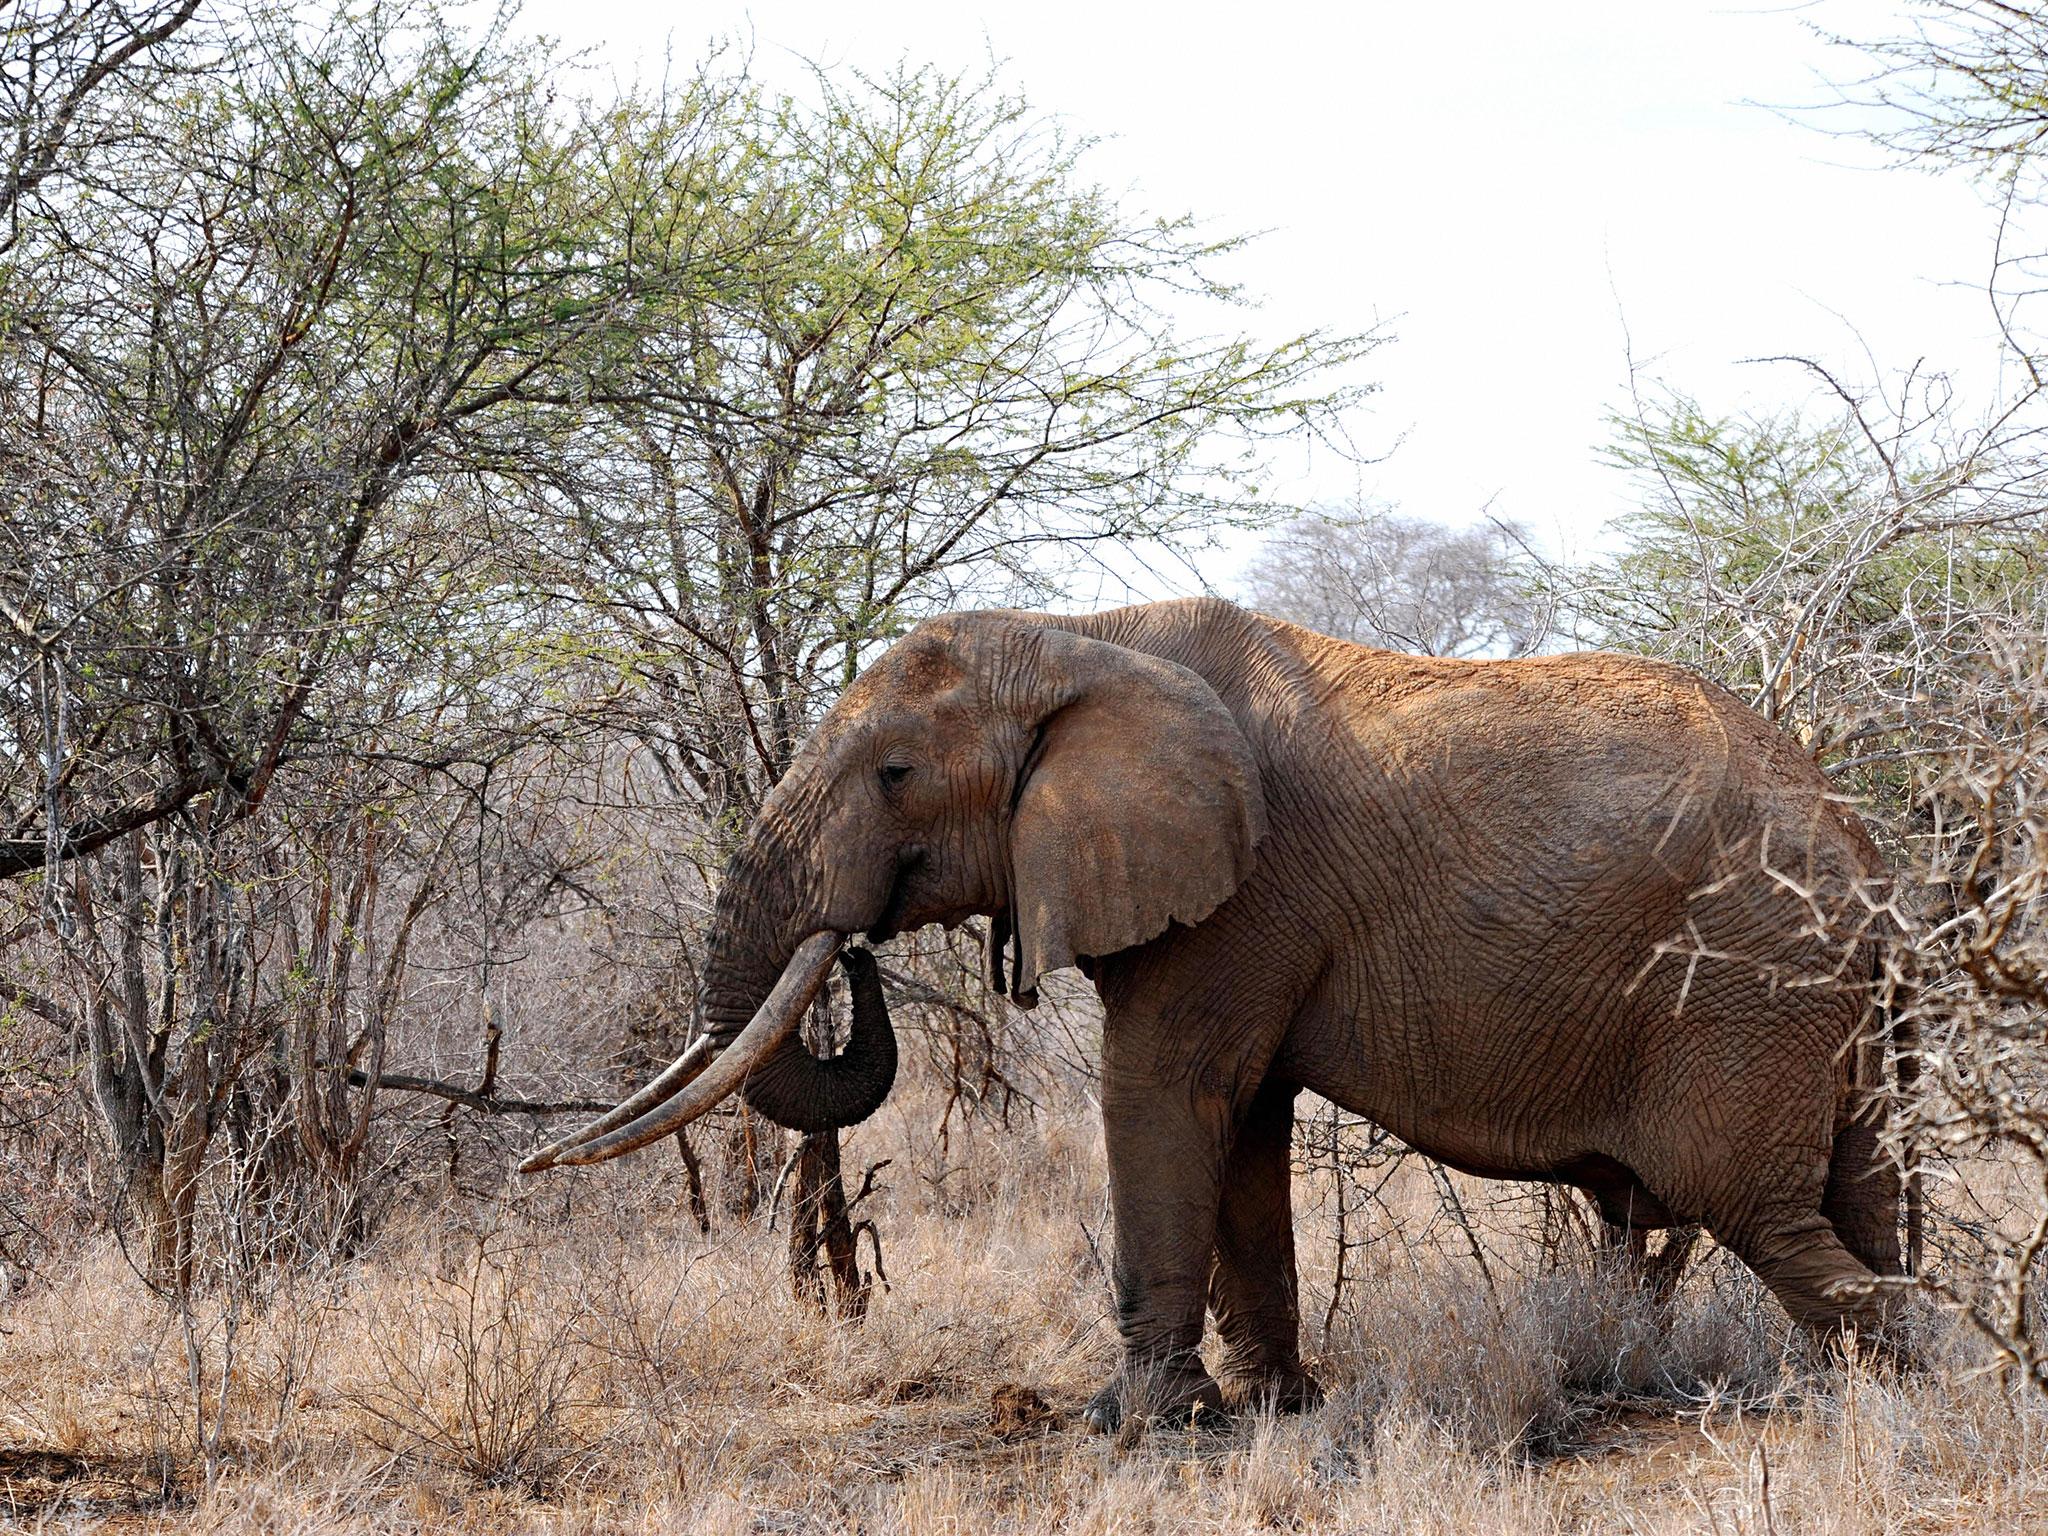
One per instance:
(1629, 1211)
(1796, 1250)
(1862, 1198)
(1252, 1288)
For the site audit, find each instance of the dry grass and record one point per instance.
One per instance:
(513, 1368)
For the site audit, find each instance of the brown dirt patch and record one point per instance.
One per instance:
(35, 1482)
(1018, 1410)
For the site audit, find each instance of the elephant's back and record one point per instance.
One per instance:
(1596, 790)
(1611, 869)
(1585, 736)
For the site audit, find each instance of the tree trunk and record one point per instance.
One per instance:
(753, 1150)
(694, 1172)
(818, 1225)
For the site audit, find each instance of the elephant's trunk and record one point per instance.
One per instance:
(794, 1088)
(764, 906)
(755, 992)
(702, 1076)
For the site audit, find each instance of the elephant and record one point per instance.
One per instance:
(1578, 918)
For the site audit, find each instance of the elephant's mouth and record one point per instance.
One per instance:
(890, 923)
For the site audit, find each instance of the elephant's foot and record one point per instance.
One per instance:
(1879, 1330)
(1279, 1389)
(1138, 1395)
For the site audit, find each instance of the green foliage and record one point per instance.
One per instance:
(372, 384)
(942, 371)
(1827, 574)
(250, 358)
(1730, 508)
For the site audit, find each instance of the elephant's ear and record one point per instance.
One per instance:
(1138, 806)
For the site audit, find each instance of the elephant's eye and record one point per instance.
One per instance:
(894, 774)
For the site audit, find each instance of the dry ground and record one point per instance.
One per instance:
(576, 1358)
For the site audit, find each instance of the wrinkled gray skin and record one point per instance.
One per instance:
(1515, 912)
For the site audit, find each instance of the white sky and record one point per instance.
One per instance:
(1505, 183)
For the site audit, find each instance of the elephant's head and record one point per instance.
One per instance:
(1080, 793)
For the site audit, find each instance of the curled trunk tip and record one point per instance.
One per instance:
(796, 1089)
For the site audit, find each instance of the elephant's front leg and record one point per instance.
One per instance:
(1252, 1289)
(1166, 1137)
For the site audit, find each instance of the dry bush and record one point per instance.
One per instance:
(1970, 980)
(591, 1362)
(1871, 581)
(485, 1366)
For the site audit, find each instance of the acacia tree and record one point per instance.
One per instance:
(70, 71)
(946, 370)
(359, 267)
(260, 352)
(943, 374)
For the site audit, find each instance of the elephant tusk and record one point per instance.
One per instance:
(694, 1087)
(675, 1076)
